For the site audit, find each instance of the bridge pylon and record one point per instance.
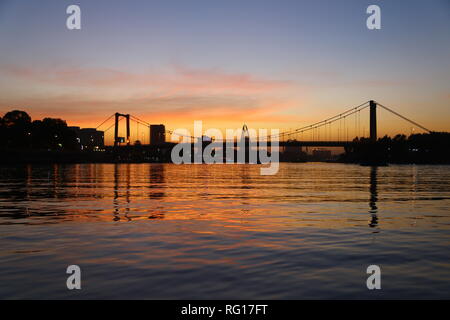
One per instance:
(373, 121)
(116, 128)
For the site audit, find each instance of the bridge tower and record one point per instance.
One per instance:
(373, 121)
(245, 134)
(116, 128)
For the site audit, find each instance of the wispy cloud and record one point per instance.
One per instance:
(178, 93)
(169, 109)
(177, 78)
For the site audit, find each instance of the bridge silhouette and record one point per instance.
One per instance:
(292, 137)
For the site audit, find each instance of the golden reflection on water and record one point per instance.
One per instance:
(224, 231)
(236, 196)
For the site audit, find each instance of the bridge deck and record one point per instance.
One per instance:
(316, 143)
(281, 144)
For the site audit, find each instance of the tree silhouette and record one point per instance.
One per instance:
(19, 132)
(16, 126)
(53, 134)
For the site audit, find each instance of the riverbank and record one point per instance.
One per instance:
(13, 157)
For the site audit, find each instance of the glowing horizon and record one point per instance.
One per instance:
(263, 64)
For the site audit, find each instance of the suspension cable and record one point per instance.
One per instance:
(137, 119)
(323, 122)
(404, 118)
(113, 125)
(104, 121)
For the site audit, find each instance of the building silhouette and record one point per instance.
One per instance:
(89, 138)
(157, 134)
(321, 154)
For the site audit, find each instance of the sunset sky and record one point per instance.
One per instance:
(274, 64)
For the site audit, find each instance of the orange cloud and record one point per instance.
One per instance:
(177, 79)
(170, 110)
(180, 95)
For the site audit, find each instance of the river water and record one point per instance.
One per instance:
(164, 231)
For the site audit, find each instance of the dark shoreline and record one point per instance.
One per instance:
(108, 160)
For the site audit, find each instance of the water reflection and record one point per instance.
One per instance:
(126, 192)
(119, 185)
(156, 181)
(224, 231)
(246, 185)
(373, 197)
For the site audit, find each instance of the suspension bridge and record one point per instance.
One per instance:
(337, 131)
